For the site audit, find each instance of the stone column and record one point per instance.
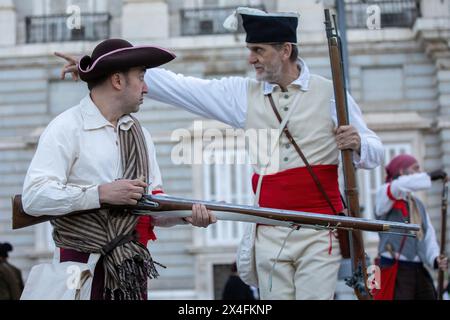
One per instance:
(433, 31)
(145, 19)
(7, 23)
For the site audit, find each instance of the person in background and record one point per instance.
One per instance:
(235, 288)
(396, 201)
(11, 283)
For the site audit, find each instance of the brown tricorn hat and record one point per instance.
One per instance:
(116, 54)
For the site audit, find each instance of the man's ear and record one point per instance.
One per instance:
(116, 81)
(287, 50)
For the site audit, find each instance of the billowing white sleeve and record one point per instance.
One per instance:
(45, 190)
(403, 185)
(223, 99)
(372, 151)
(431, 245)
(400, 188)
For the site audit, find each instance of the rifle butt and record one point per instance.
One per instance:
(20, 219)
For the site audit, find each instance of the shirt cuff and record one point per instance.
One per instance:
(92, 197)
(358, 159)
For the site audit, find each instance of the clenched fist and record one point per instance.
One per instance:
(122, 192)
(201, 217)
(347, 137)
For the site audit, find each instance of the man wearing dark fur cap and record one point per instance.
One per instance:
(96, 153)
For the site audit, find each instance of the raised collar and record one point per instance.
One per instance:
(93, 118)
(302, 81)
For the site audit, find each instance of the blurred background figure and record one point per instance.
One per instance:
(11, 283)
(235, 288)
(402, 259)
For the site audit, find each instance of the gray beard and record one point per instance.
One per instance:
(274, 77)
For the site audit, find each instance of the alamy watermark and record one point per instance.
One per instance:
(74, 19)
(73, 281)
(229, 146)
(373, 21)
(373, 277)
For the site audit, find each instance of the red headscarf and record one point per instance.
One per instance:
(400, 162)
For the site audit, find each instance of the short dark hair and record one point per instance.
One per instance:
(4, 249)
(294, 53)
(98, 81)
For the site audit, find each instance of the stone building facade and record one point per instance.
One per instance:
(399, 74)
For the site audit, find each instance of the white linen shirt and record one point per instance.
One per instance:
(225, 100)
(77, 152)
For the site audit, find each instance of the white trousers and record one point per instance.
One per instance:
(304, 271)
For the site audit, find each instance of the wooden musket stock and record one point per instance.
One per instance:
(359, 279)
(151, 203)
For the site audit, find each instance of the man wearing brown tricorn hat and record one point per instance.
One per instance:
(284, 91)
(92, 154)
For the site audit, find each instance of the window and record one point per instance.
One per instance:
(51, 22)
(209, 18)
(397, 13)
(46, 7)
(225, 180)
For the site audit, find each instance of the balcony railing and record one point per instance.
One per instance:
(54, 28)
(394, 13)
(206, 20)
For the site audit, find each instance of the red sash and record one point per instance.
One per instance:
(294, 189)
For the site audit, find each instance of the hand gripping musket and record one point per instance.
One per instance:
(443, 236)
(159, 205)
(359, 279)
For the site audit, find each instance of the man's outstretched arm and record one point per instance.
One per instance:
(222, 99)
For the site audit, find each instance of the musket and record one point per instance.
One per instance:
(158, 205)
(443, 236)
(359, 279)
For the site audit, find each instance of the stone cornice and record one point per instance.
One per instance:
(396, 121)
(434, 34)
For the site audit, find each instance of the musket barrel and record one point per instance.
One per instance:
(166, 203)
(331, 221)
